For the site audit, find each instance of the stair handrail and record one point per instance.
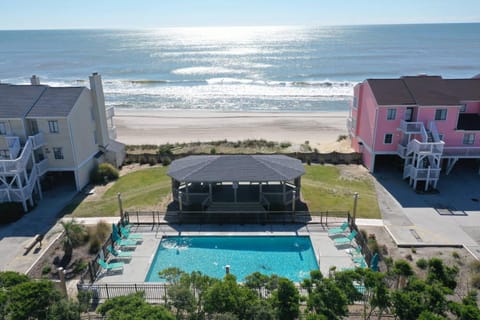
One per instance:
(424, 134)
(433, 129)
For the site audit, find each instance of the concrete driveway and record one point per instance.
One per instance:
(449, 217)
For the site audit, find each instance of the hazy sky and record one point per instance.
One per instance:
(65, 14)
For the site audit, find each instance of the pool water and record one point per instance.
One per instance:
(289, 257)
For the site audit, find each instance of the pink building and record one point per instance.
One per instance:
(427, 121)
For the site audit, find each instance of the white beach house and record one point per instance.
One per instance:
(54, 131)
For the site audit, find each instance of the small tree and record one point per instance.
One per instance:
(74, 235)
(286, 299)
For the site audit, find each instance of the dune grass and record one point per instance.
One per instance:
(145, 189)
(324, 189)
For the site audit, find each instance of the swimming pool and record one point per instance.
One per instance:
(285, 256)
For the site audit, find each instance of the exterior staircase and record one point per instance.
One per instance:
(422, 149)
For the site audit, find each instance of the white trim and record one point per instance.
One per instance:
(383, 153)
(74, 150)
(84, 162)
(366, 146)
(385, 137)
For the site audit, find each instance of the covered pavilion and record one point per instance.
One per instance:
(236, 182)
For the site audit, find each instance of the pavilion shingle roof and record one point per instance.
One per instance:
(241, 168)
(424, 91)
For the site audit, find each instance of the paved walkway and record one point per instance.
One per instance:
(15, 236)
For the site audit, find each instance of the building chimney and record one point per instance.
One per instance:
(99, 109)
(35, 81)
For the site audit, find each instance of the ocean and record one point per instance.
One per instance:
(286, 69)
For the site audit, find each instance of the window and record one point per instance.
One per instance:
(469, 138)
(463, 108)
(58, 153)
(388, 138)
(441, 114)
(391, 114)
(53, 126)
(3, 128)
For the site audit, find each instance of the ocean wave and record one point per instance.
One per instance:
(206, 71)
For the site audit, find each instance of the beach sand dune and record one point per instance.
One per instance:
(321, 129)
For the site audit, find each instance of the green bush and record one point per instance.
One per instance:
(166, 161)
(422, 263)
(104, 173)
(476, 281)
(46, 269)
(342, 137)
(10, 212)
(94, 245)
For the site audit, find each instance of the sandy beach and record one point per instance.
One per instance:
(321, 129)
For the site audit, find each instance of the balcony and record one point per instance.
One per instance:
(13, 145)
(20, 163)
(42, 167)
(110, 112)
(112, 132)
(461, 152)
(411, 127)
(425, 147)
(38, 140)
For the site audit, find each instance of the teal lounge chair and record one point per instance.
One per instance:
(345, 240)
(116, 266)
(126, 234)
(119, 253)
(341, 229)
(122, 242)
(121, 236)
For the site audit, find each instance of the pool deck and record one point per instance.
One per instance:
(136, 268)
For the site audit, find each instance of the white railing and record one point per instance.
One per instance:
(461, 152)
(425, 147)
(20, 163)
(424, 134)
(434, 131)
(13, 146)
(42, 167)
(110, 112)
(425, 173)
(411, 127)
(38, 140)
(349, 124)
(112, 133)
(401, 150)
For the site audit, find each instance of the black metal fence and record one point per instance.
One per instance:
(233, 217)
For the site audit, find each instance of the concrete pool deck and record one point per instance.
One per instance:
(135, 270)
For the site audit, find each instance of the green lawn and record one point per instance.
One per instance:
(144, 189)
(323, 189)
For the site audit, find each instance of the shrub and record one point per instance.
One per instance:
(285, 145)
(456, 255)
(103, 173)
(103, 230)
(422, 263)
(213, 151)
(10, 212)
(476, 281)
(166, 161)
(46, 269)
(341, 137)
(409, 257)
(143, 160)
(80, 265)
(94, 245)
(413, 250)
(475, 266)
(152, 161)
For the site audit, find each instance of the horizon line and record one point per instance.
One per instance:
(242, 26)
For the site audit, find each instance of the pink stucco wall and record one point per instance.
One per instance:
(366, 114)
